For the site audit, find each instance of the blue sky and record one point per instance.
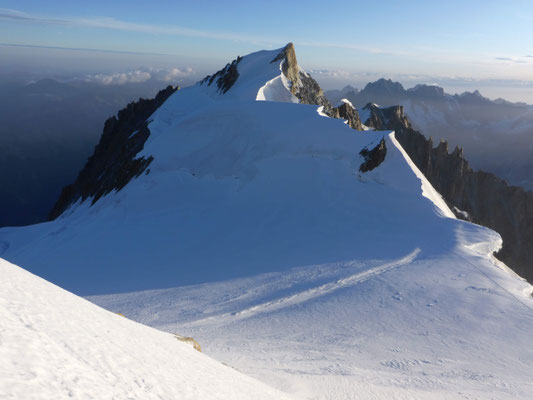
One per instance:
(450, 42)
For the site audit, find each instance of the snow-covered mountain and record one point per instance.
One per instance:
(55, 345)
(307, 254)
(495, 134)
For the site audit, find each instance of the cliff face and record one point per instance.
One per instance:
(308, 91)
(350, 114)
(113, 163)
(486, 199)
(225, 78)
(303, 86)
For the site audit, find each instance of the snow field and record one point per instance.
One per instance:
(55, 345)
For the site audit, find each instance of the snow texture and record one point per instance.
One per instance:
(256, 234)
(55, 345)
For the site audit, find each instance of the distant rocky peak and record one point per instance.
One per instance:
(427, 91)
(381, 118)
(348, 89)
(475, 94)
(385, 86)
(474, 97)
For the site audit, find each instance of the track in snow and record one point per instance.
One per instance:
(313, 293)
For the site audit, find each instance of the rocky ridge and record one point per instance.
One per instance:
(477, 196)
(225, 78)
(114, 163)
(346, 111)
(303, 86)
(495, 134)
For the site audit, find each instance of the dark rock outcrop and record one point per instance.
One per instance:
(113, 163)
(350, 114)
(303, 86)
(373, 157)
(487, 199)
(290, 66)
(225, 78)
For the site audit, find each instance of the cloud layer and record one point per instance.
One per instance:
(141, 75)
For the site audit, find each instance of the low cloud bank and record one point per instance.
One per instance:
(141, 75)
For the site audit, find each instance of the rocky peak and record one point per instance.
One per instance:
(346, 111)
(383, 118)
(442, 147)
(474, 97)
(384, 87)
(308, 91)
(427, 91)
(383, 91)
(458, 152)
(303, 86)
(349, 89)
(289, 66)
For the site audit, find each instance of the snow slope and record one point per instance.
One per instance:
(237, 187)
(448, 327)
(54, 345)
(256, 233)
(442, 320)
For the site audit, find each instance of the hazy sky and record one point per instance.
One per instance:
(458, 44)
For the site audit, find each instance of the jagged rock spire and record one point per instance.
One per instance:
(290, 66)
(303, 86)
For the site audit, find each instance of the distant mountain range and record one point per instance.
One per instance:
(496, 135)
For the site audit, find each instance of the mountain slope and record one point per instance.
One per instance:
(476, 196)
(495, 135)
(54, 345)
(255, 187)
(445, 326)
(313, 256)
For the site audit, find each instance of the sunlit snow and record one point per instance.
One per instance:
(256, 233)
